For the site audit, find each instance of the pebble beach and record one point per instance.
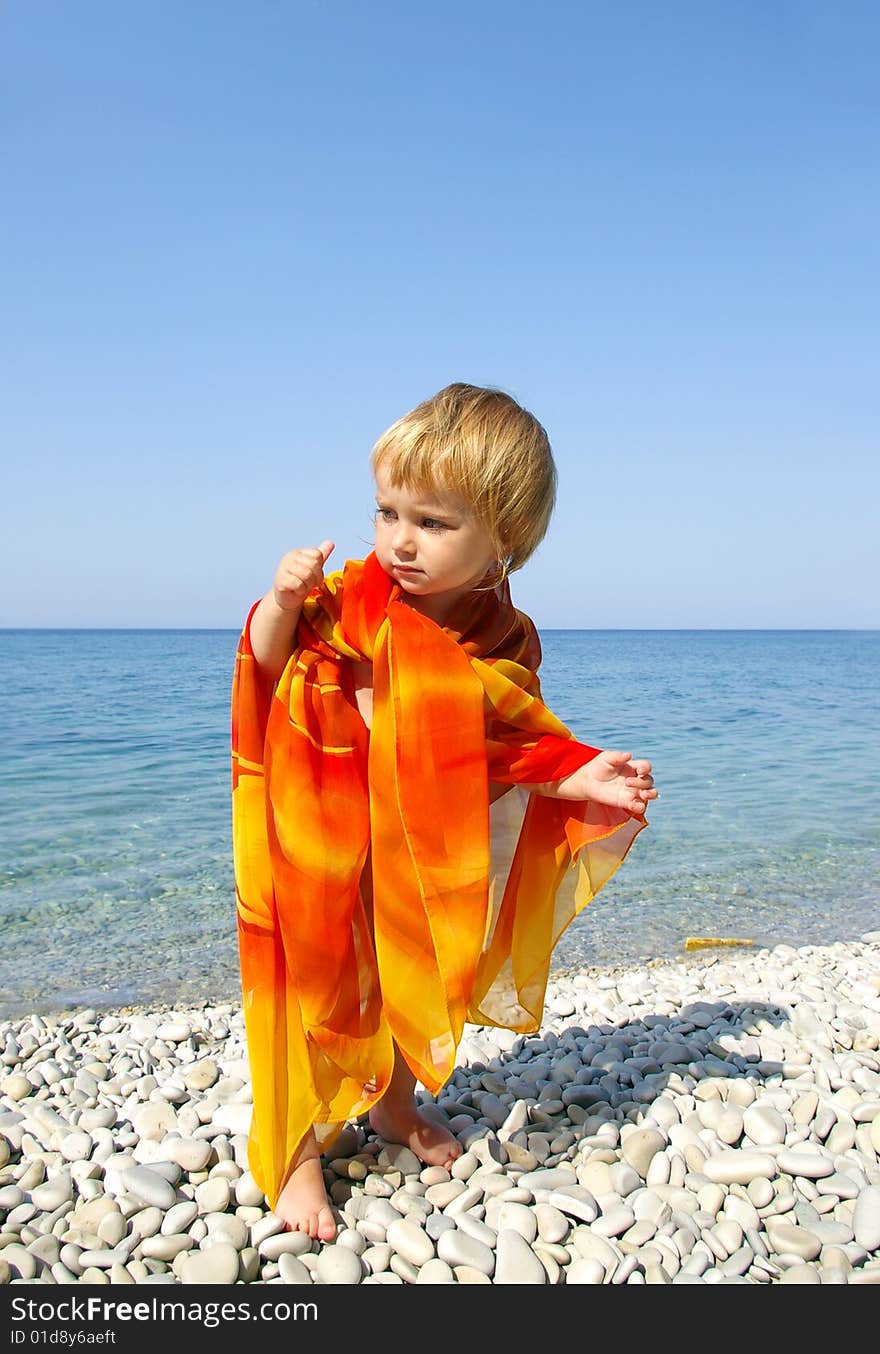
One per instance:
(713, 1119)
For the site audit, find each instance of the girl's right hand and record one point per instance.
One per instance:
(299, 572)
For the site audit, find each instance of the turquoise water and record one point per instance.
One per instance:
(115, 857)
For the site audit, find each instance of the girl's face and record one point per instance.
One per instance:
(431, 545)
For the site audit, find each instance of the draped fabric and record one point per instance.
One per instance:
(461, 926)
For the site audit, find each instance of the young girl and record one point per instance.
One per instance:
(392, 881)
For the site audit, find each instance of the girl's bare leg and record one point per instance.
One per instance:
(303, 1202)
(397, 1118)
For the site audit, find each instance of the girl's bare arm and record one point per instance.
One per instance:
(273, 625)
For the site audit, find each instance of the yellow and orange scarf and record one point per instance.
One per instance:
(454, 935)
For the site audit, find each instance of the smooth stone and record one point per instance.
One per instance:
(590, 1246)
(437, 1223)
(787, 1238)
(214, 1195)
(729, 1167)
(268, 1225)
(472, 1194)
(174, 1031)
(100, 1259)
(377, 1258)
(800, 1274)
(596, 1177)
(481, 1231)
(410, 1241)
(764, 1125)
(457, 1248)
(730, 1234)
(760, 1192)
(729, 1125)
(469, 1275)
(839, 1184)
(16, 1086)
(20, 1261)
(518, 1218)
(76, 1146)
(102, 1116)
(520, 1156)
(434, 1175)
(866, 1218)
(166, 1247)
(491, 1153)
(515, 1261)
(740, 1211)
(553, 1225)
(226, 1227)
(674, 1052)
(233, 1117)
(247, 1192)
(464, 1166)
(583, 1207)
(517, 1119)
(804, 1108)
(112, 1228)
(216, 1265)
(618, 1219)
(810, 1165)
(293, 1270)
(191, 1154)
(150, 1187)
(639, 1149)
(398, 1265)
(155, 1120)
(147, 1221)
(339, 1265)
(549, 1179)
(436, 1271)
(443, 1193)
(381, 1211)
(624, 1179)
(69, 1257)
(400, 1158)
(284, 1243)
(179, 1218)
(639, 1233)
(201, 1075)
(46, 1248)
(53, 1193)
(350, 1237)
(585, 1270)
(493, 1109)
(377, 1188)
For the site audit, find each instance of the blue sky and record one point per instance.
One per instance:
(240, 239)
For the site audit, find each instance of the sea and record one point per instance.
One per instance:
(116, 883)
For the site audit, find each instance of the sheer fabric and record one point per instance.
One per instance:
(467, 904)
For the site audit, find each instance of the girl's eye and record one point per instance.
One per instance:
(385, 514)
(432, 524)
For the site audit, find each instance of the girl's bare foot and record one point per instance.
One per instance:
(404, 1123)
(303, 1202)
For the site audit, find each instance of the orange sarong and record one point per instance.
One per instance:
(456, 935)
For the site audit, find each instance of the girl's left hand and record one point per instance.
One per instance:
(612, 778)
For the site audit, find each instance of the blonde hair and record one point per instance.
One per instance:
(478, 443)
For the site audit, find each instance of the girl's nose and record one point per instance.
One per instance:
(402, 538)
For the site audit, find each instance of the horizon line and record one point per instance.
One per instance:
(543, 629)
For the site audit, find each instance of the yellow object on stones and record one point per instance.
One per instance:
(703, 942)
